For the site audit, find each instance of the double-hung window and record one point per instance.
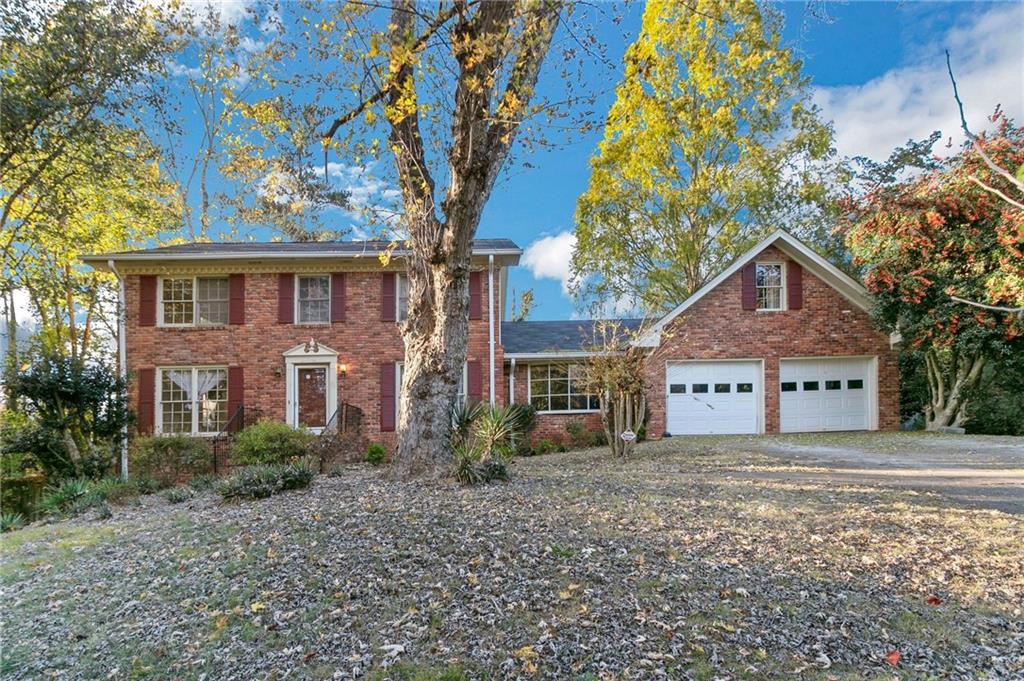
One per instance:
(769, 286)
(401, 297)
(193, 301)
(460, 396)
(192, 400)
(314, 299)
(560, 387)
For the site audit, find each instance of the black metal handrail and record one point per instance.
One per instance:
(240, 419)
(347, 420)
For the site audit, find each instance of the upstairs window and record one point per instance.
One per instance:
(313, 295)
(769, 286)
(193, 301)
(401, 297)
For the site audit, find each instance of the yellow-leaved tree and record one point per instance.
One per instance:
(711, 142)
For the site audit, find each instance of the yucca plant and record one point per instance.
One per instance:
(464, 414)
(494, 430)
(67, 494)
(11, 521)
(466, 467)
(177, 495)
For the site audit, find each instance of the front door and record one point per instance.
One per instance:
(311, 397)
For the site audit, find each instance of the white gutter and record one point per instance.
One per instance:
(512, 383)
(556, 356)
(490, 321)
(122, 360)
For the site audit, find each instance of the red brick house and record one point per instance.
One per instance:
(780, 341)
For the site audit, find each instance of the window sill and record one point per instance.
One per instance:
(193, 327)
(568, 412)
(312, 323)
(206, 435)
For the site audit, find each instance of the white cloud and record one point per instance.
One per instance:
(368, 195)
(228, 12)
(913, 100)
(550, 257)
(23, 311)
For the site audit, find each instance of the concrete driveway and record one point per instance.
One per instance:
(971, 470)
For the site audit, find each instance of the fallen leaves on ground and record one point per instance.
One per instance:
(661, 566)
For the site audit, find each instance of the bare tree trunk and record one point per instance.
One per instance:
(435, 336)
(11, 360)
(437, 325)
(947, 406)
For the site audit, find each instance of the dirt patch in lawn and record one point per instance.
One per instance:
(671, 564)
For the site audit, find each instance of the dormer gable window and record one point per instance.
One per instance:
(768, 280)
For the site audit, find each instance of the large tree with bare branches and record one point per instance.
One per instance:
(430, 100)
(488, 41)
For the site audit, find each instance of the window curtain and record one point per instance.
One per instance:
(208, 379)
(181, 378)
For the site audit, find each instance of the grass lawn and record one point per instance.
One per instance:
(672, 564)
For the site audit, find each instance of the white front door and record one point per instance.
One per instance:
(820, 394)
(719, 397)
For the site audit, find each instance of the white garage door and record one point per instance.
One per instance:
(825, 394)
(712, 397)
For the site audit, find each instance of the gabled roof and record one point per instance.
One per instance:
(846, 285)
(554, 338)
(286, 249)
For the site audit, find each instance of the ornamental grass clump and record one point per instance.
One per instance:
(262, 481)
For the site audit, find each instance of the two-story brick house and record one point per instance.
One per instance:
(780, 341)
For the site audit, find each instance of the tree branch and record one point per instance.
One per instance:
(974, 138)
(996, 308)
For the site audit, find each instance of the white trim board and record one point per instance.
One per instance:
(843, 283)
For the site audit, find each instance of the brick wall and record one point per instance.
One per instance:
(363, 342)
(717, 327)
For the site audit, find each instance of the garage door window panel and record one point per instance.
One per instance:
(855, 384)
(700, 388)
(810, 386)
(723, 387)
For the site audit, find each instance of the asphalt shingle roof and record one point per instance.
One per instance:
(555, 336)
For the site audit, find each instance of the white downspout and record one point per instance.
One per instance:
(122, 360)
(512, 382)
(490, 320)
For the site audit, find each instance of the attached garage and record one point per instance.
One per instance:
(715, 397)
(820, 394)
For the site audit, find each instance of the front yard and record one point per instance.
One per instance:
(688, 561)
